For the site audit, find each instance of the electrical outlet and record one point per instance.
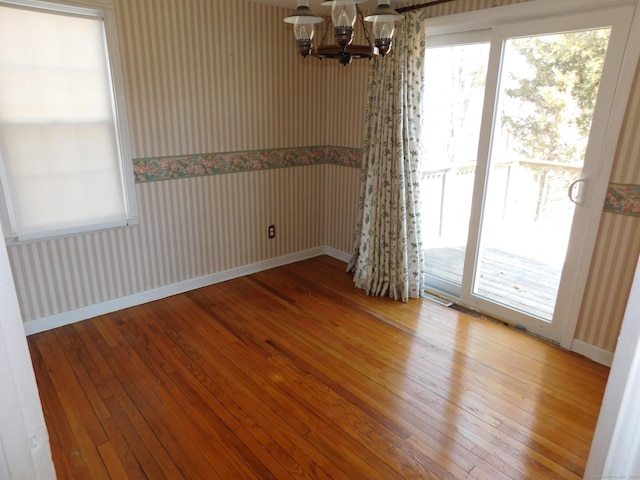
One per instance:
(272, 231)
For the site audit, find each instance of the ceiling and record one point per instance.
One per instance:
(288, 3)
(314, 4)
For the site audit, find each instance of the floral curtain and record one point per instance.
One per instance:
(388, 250)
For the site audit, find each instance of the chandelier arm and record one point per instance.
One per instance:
(421, 5)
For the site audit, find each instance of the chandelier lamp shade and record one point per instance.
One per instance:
(303, 20)
(384, 25)
(345, 15)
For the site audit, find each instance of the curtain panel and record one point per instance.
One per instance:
(388, 254)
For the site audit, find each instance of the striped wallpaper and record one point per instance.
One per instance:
(210, 76)
(189, 228)
(224, 76)
(618, 245)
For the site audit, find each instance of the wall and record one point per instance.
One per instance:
(618, 246)
(210, 76)
(222, 75)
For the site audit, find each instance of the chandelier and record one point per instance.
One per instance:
(344, 14)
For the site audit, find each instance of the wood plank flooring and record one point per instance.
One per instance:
(294, 373)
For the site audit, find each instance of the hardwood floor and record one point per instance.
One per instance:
(293, 373)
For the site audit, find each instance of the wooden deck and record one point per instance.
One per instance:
(520, 282)
(294, 373)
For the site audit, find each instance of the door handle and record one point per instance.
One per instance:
(576, 191)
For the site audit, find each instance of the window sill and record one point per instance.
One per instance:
(52, 235)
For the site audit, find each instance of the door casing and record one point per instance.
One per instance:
(533, 18)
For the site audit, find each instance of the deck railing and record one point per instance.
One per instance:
(447, 193)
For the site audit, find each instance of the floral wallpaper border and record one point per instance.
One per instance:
(185, 166)
(623, 199)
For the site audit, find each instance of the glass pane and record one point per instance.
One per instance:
(455, 82)
(547, 94)
(57, 122)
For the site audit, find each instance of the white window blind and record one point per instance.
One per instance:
(60, 151)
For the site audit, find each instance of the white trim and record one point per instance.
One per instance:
(337, 254)
(615, 450)
(55, 6)
(73, 316)
(626, 79)
(50, 235)
(118, 92)
(459, 38)
(597, 354)
(531, 10)
(609, 117)
(24, 441)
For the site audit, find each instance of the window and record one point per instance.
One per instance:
(455, 74)
(64, 157)
(522, 130)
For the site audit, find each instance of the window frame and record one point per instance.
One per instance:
(500, 18)
(105, 11)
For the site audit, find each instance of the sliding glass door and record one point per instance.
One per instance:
(516, 118)
(546, 98)
(456, 69)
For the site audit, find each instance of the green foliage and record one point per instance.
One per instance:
(555, 94)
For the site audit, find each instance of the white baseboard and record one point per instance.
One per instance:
(66, 318)
(597, 354)
(337, 254)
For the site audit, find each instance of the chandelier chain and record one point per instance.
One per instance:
(323, 41)
(364, 28)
